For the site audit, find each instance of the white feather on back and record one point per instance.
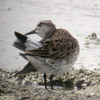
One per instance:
(33, 42)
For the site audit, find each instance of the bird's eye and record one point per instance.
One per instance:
(40, 24)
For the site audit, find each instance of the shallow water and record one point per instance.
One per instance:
(80, 18)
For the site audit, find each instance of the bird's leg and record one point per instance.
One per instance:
(45, 81)
(51, 84)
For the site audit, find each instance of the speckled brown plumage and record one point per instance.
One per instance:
(60, 45)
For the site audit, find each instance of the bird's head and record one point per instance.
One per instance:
(44, 29)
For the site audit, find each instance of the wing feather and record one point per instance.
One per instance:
(55, 48)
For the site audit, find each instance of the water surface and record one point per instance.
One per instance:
(79, 17)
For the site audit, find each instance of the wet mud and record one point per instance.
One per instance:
(75, 85)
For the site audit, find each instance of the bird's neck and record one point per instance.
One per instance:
(49, 35)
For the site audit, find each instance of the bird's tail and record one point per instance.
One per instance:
(19, 43)
(22, 38)
(27, 69)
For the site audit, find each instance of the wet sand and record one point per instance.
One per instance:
(75, 85)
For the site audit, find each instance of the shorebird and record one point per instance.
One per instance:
(47, 50)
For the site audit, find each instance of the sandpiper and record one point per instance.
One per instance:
(47, 50)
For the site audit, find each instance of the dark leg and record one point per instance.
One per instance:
(51, 82)
(45, 81)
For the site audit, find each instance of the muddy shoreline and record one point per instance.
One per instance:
(76, 85)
